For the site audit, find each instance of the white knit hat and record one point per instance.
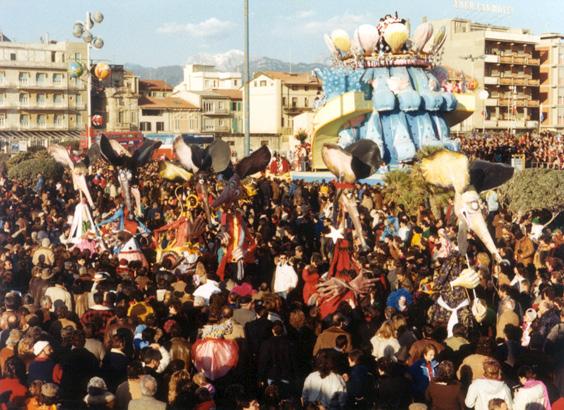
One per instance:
(38, 347)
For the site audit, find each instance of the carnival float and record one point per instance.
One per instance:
(388, 87)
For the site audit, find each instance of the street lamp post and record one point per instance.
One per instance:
(246, 80)
(83, 29)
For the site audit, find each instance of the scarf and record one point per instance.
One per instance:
(453, 319)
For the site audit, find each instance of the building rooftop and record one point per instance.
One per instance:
(165, 103)
(291, 78)
(207, 93)
(154, 85)
(229, 93)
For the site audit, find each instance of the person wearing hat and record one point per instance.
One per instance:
(46, 251)
(43, 367)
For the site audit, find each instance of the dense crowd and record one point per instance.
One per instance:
(84, 329)
(545, 150)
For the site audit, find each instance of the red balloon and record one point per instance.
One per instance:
(97, 120)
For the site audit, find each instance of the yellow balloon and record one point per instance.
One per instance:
(396, 35)
(341, 40)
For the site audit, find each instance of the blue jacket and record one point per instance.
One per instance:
(420, 375)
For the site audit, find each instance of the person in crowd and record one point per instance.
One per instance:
(384, 344)
(147, 401)
(444, 392)
(324, 385)
(481, 391)
(532, 394)
(423, 371)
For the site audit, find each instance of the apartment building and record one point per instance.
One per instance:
(505, 63)
(201, 77)
(277, 97)
(551, 54)
(38, 99)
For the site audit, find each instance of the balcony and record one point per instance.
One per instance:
(44, 65)
(33, 106)
(224, 111)
(533, 103)
(532, 124)
(42, 86)
(491, 102)
(520, 59)
(490, 58)
(491, 80)
(518, 81)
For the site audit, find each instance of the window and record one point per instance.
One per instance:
(2, 99)
(59, 120)
(77, 56)
(145, 126)
(160, 126)
(222, 123)
(282, 122)
(151, 113)
(283, 101)
(2, 77)
(79, 121)
(2, 120)
(24, 120)
(263, 83)
(79, 99)
(41, 123)
(41, 78)
(24, 99)
(235, 83)
(121, 117)
(57, 79)
(294, 102)
(12, 56)
(220, 106)
(24, 78)
(193, 123)
(208, 106)
(58, 99)
(306, 102)
(233, 106)
(41, 99)
(176, 124)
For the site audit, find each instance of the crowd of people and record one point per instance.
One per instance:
(84, 329)
(544, 150)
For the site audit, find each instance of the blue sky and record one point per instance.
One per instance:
(165, 32)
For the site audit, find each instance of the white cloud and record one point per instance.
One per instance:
(227, 61)
(212, 27)
(302, 14)
(347, 22)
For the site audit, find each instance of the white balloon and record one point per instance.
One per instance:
(368, 37)
(341, 40)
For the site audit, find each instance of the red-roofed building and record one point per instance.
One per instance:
(154, 88)
(164, 113)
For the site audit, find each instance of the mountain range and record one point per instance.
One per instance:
(230, 61)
